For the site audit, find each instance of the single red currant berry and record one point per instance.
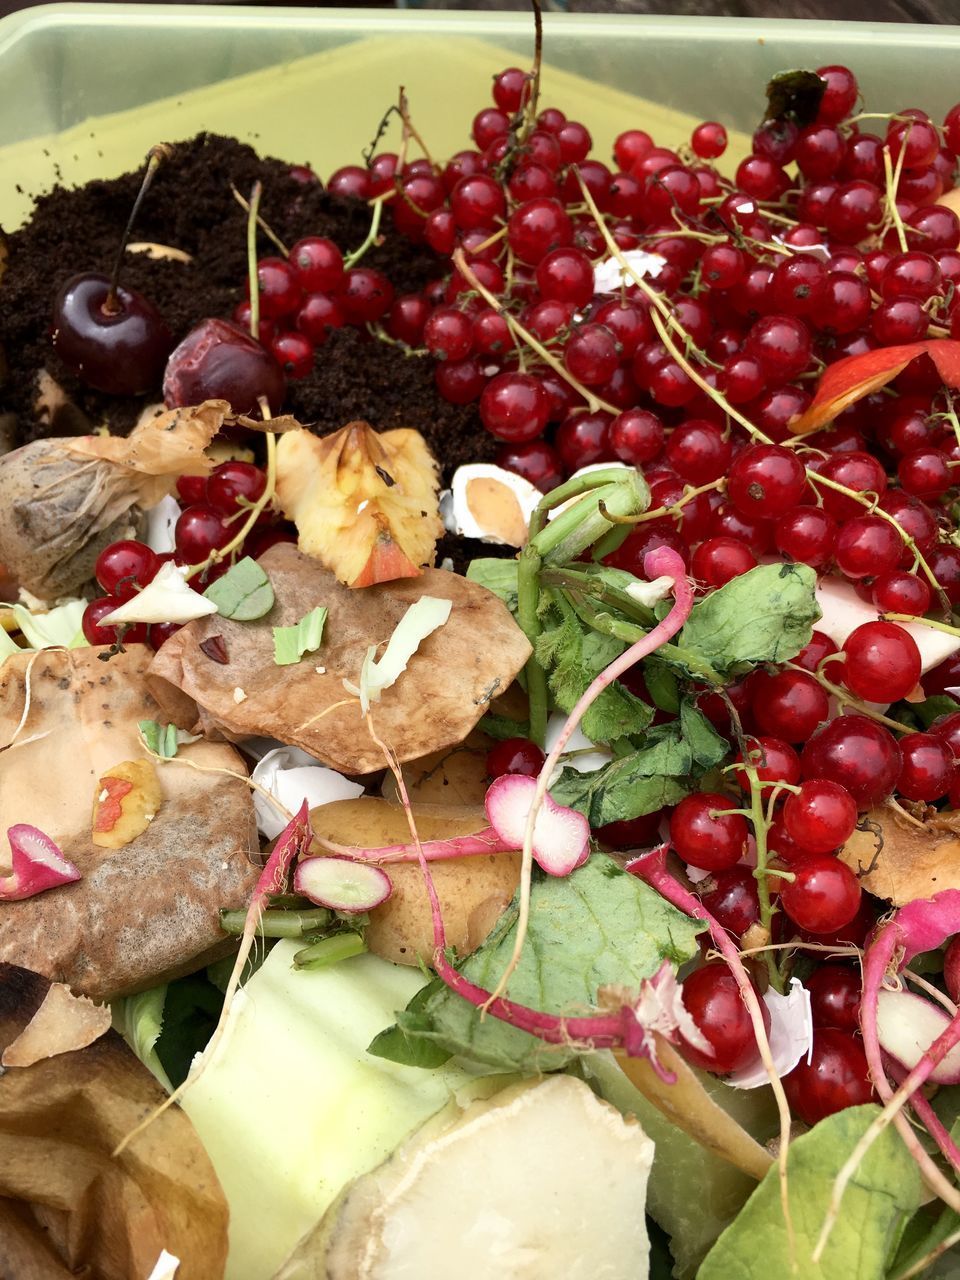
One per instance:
(732, 899)
(318, 317)
(883, 662)
(821, 816)
(93, 632)
(199, 531)
(835, 991)
(717, 560)
(317, 264)
(709, 140)
(278, 286)
(705, 834)
(806, 534)
(448, 334)
(566, 275)
(232, 484)
(788, 705)
(901, 592)
(823, 896)
(536, 461)
(590, 355)
(515, 755)
(514, 407)
(583, 439)
(636, 437)
(293, 352)
(839, 97)
(928, 767)
(867, 546)
(766, 481)
(712, 997)
(123, 568)
(857, 753)
(836, 1077)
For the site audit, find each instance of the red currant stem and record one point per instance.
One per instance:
(662, 560)
(892, 181)
(252, 278)
(371, 240)
(950, 414)
(921, 621)
(921, 563)
(265, 227)
(758, 821)
(155, 157)
(403, 110)
(876, 115)
(216, 556)
(485, 244)
(593, 402)
(773, 871)
(655, 297)
(531, 100)
(847, 699)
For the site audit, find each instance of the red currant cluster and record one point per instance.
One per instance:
(207, 524)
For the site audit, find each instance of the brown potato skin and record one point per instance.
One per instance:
(473, 891)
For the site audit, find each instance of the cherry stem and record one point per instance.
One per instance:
(252, 277)
(264, 226)
(516, 328)
(155, 157)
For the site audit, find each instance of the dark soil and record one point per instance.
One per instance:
(190, 207)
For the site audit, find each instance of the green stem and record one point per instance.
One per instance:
(278, 923)
(759, 823)
(528, 598)
(581, 524)
(330, 951)
(353, 258)
(579, 583)
(945, 627)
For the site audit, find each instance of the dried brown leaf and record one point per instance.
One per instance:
(446, 688)
(67, 1206)
(902, 861)
(64, 1022)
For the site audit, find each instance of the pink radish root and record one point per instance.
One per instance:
(662, 562)
(472, 846)
(38, 865)
(561, 836)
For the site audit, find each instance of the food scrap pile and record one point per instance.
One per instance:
(533, 574)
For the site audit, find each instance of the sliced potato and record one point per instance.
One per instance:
(473, 891)
(543, 1180)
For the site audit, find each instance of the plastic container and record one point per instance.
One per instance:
(90, 87)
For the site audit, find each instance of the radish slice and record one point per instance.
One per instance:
(342, 884)
(907, 1026)
(37, 864)
(561, 836)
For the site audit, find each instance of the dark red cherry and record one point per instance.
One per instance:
(118, 346)
(218, 361)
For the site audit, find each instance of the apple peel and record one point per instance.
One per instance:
(854, 377)
(38, 864)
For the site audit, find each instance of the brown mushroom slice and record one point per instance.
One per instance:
(446, 687)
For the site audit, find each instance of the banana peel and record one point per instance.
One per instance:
(365, 504)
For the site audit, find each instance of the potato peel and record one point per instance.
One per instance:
(901, 862)
(64, 1022)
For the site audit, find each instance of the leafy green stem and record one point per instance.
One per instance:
(341, 946)
(278, 923)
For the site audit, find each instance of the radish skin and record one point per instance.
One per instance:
(342, 884)
(951, 970)
(907, 1026)
(561, 836)
(922, 925)
(38, 865)
(473, 846)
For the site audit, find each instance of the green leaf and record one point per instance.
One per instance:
(596, 927)
(503, 727)
(661, 772)
(411, 1050)
(164, 739)
(938, 704)
(662, 686)
(764, 615)
(498, 576)
(139, 1019)
(291, 643)
(243, 593)
(573, 657)
(880, 1199)
(190, 1014)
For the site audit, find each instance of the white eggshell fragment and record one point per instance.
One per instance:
(293, 776)
(489, 503)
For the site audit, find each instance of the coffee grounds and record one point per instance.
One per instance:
(190, 206)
